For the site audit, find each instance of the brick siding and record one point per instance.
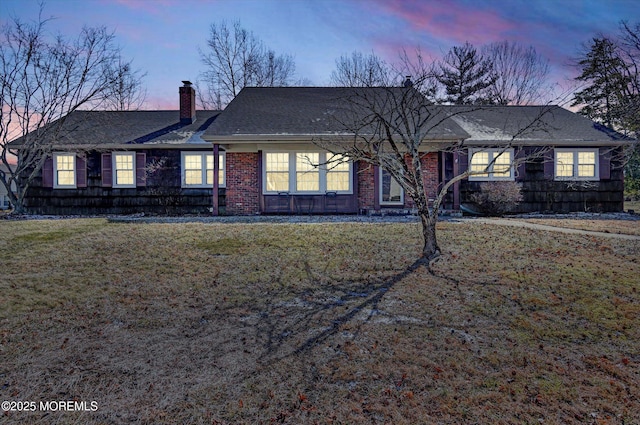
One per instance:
(243, 184)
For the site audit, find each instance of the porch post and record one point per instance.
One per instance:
(456, 186)
(376, 187)
(216, 182)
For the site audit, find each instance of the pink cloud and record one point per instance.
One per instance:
(449, 20)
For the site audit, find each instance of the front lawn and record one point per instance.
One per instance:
(317, 323)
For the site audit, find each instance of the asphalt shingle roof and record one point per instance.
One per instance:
(321, 111)
(530, 124)
(129, 127)
(308, 112)
(304, 111)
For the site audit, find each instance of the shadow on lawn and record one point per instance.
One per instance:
(292, 328)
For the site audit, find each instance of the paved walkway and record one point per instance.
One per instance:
(517, 223)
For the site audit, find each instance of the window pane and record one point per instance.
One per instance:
(193, 162)
(502, 165)
(277, 172)
(564, 164)
(338, 181)
(278, 181)
(586, 164)
(193, 177)
(307, 172)
(337, 163)
(124, 177)
(277, 162)
(586, 158)
(65, 178)
(479, 163)
(65, 170)
(391, 189)
(124, 172)
(586, 170)
(337, 173)
(209, 171)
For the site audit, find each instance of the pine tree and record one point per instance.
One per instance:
(603, 71)
(465, 76)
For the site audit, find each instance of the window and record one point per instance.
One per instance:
(338, 173)
(306, 172)
(491, 164)
(391, 193)
(64, 172)
(576, 164)
(124, 169)
(277, 171)
(197, 169)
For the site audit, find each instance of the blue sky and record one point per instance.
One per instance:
(163, 36)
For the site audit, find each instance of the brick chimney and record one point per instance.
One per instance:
(187, 103)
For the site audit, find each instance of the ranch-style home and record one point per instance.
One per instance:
(263, 155)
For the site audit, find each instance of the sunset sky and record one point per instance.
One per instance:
(163, 36)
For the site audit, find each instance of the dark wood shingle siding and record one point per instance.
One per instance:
(162, 193)
(542, 193)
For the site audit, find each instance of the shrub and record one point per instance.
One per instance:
(497, 198)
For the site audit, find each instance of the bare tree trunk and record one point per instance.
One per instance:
(430, 250)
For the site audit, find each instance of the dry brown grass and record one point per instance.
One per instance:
(322, 323)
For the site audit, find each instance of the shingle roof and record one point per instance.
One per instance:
(302, 111)
(530, 124)
(129, 127)
(320, 111)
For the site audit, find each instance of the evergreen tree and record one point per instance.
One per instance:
(465, 75)
(603, 71)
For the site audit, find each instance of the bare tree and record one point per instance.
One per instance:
(44, 80)
(273, 70)
(127, 93)
(395, 128)
(520, 73)
(360, 70)
(236, 58)
(629, 52)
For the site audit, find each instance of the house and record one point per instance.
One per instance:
(4, 197)
(124, 162)
(263, 155)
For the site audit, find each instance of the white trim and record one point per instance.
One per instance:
(576, 152)
(114, 169)
(323, 170)
(74, 170)
(492, 154)
(380, 187)
(203, 158)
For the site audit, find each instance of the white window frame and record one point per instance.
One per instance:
(381, 171)
(493, 153)
(204, 170)
(323, 170)
(576, 155)
(74, 170)
(114, 169)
